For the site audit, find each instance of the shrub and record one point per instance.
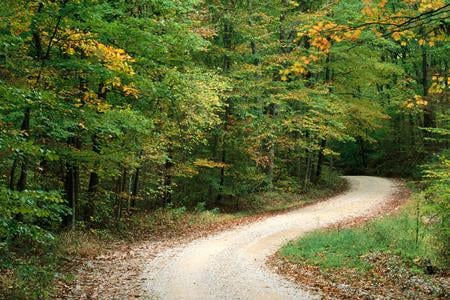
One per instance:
(27, 218)
(437, 202)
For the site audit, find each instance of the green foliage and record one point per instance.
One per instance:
(437, 202)
(346, 248)
(161, 105)
(27, 216)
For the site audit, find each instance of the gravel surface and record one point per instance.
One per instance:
(231, 264)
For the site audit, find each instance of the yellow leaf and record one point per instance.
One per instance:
(382, 3)
(336, 38)
(70, 51)
(396, 36)
(356, 34)
(209, 163)
(130, 90)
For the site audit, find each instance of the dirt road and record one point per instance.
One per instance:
(231, 264)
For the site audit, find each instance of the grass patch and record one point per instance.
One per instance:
(347, 248)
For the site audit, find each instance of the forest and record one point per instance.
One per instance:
(112, 110)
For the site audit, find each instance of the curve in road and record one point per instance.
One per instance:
(231, 264)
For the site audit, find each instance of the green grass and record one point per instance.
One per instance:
(346, 248)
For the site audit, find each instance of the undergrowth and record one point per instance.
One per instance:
(402, 235)
(281, 199)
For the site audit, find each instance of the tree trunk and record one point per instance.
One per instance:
(135, 187)
(71, 191)
(228, 44)
(323, 144)
(308, 170)
(167, 194)
(363, 154)
(283, 33)
(72, 184)
(270, 146)
(94, 183)
(272, 109)
(427, 113)
(428, 118)
(222, 176)
(25, 127)
(37, 40)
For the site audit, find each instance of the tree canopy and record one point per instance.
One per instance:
(108, 107)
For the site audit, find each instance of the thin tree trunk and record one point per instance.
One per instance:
(94, 178)
(428, 115)
(39, 55)
(135, 187)
(94, 183)
(308, 170)
(222, 176)
(167, 181)
(320, 159)
(228, 44)
(120, 189)
(363, 155)
(428, 119)
(271, 149)
(129, 190)
(73, 196)
(272, 109)
(72, 184)
(424, 72)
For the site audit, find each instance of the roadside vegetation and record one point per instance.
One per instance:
(401, 235)
(405, 254)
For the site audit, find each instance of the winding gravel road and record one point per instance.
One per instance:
(231, 264)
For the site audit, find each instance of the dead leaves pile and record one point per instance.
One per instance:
(389, 279)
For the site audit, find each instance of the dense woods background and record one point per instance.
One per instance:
(108, 108)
